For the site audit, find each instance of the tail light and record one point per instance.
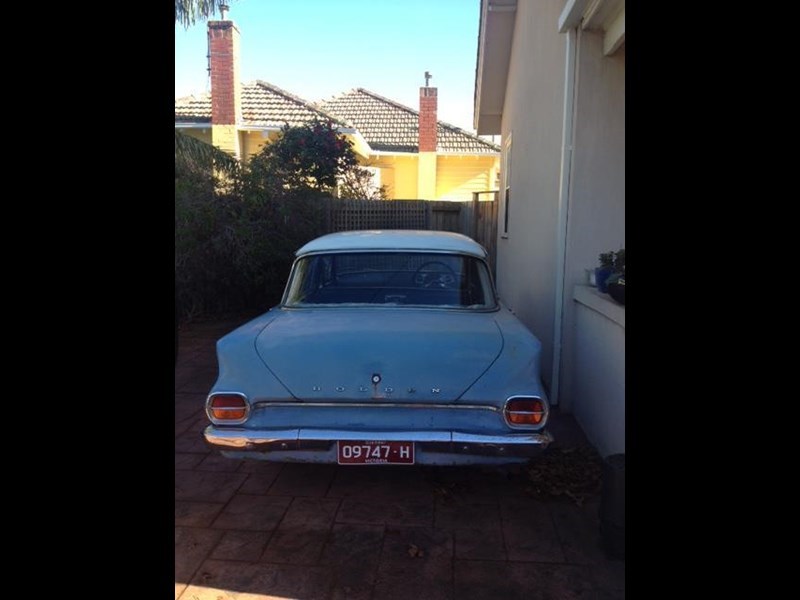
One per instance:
(227, 407)
(525, 411)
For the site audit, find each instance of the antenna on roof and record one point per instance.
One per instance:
(223, 9)
(428, 76)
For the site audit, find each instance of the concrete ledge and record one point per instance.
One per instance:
(602, 303)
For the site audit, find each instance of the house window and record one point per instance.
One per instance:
(506, 188)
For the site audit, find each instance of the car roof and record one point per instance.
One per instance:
(383, 240)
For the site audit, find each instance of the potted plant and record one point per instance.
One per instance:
(616, 281)
(604, 271)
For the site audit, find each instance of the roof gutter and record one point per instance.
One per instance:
(187, 125)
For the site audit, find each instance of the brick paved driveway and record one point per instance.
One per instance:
(258, 530)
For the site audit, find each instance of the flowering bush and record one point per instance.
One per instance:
(308, 157)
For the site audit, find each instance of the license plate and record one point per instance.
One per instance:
(376, 453)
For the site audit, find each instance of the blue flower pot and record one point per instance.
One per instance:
(600, 276)
(617, 291)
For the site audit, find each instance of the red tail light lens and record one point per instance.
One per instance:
(525, 411)
(227, 407)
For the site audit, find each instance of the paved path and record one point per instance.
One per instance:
(252, 530)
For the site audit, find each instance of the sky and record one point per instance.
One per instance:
(316, 49)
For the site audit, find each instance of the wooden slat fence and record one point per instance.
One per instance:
(477, 219)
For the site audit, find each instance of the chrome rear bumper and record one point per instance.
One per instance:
(513, 445)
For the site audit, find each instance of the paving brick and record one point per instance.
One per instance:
(191, 440)
(303, 480)
(356, 551)
(196, 514)
(252, 513)
(229, 580)
(485, 580)
(311, 512)
(579, 531)
(192, 546)
(529, 532)
(260, 466)
(295, 545)
(185, 461)
(410, 512)
(258, 483)
(216, 462)
(189, 406)
(425, 575)
(197, 380)
(380, 482)
(241, 545)
(302, 533)
(465, 514)
(200, 486)
(480, 544)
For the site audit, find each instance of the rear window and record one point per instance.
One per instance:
(390, 278)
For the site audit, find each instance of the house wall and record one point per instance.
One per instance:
(226, 137)
(596, 223)
(398, 173)
(458, 176)
(598, 369)
(253, 141)
(532, 114)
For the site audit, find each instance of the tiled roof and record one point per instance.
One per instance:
(263, 104)
(386, 125)
(391, 127)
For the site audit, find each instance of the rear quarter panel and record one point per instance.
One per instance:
(516, 372)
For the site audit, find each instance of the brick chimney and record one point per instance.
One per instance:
(427, 119)
(226, 92)
(426, 159)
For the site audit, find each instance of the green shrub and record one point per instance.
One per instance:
(235, 242)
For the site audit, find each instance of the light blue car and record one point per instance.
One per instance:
(389, 347)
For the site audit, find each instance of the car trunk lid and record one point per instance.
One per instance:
(403, 355)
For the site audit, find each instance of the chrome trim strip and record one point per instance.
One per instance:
(452, 442)
(228, 422)
(268, 404)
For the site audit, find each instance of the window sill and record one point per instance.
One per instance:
(602, 303)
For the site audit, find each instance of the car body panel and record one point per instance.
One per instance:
(335, 352)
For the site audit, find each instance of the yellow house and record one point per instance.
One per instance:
(411, 153)
(418, 156)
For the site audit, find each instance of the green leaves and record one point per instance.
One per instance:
(194, 155)
(188, 12)
(307, 157)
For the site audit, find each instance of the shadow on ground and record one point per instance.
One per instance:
(260, 530)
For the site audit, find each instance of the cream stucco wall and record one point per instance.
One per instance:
(526, 259)
(599, 368)
(596, 214)
(592, 367)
